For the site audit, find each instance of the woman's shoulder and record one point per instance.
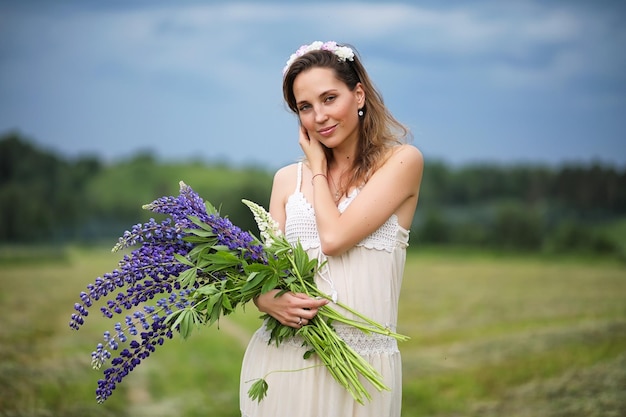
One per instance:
(406, 154)
(287, 171)
(286, 179)
(403, 167)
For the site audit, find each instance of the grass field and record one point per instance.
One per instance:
(490, 335)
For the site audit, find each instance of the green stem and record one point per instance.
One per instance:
(296, 271)
(329, 312)
(286, 370)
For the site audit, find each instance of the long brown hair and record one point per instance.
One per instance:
(378, 129)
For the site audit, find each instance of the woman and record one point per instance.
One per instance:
(350, 203)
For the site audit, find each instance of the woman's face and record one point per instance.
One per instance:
(327, 108)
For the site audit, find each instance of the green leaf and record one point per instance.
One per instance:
(218, 261)
(201, 232)
(227, 306)
(188, 277)
(185, 325)
(200, 306)
(185, 319)
(255, 279)
(195, 220)
(210, 209)
(199, 239)
(270, 284)
(301, 259)
(183, 260)
(256, 268)
(214, 308)
(258, 390)
(200, 249)
(208, 289)
(173, 317)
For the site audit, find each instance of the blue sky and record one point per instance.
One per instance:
(498, 81)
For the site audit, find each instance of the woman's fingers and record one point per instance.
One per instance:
(308, 302)
(304, 308)
(294, 310)
(312, 148)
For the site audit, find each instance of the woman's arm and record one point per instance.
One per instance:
(393, 188)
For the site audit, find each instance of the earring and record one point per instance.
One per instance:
(360, 112)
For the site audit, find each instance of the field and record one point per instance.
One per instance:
(491, 336)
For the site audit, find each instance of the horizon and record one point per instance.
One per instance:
(255, 165)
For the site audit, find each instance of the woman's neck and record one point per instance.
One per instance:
(342, 164)
(343, 158)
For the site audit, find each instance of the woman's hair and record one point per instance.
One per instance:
(378, 129)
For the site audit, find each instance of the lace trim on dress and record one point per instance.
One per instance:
(363, 344)
(385, 237)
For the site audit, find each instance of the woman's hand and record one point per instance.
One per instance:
(313, 150)
(290, 309)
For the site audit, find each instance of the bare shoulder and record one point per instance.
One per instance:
(286, 174)
(405, 160)
(407, 154)
(284, 182)
(403, 169)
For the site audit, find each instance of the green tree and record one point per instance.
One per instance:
(41, 195)
(517, 227)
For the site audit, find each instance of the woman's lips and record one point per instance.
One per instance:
(327, 131)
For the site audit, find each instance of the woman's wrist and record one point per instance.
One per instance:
(319, 175)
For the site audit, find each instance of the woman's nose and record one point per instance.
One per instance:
(320, 116)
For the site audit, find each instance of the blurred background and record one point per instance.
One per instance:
(518, 107)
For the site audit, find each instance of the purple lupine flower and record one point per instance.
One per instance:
(236, 239)
(99, 356)
(188, 203)
(150, 270)
(154, 334)
(146, 271)
(150, 232)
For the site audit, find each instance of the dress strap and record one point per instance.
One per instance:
(299, 183)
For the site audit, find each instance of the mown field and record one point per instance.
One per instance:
(490, 335)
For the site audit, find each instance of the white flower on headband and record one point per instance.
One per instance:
(343, 52)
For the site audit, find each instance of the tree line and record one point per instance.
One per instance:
(584, 188)
(45, 197)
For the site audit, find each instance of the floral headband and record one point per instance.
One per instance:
(343, 52)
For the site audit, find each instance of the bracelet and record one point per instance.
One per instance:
(318, 175)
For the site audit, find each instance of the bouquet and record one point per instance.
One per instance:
(195, 267)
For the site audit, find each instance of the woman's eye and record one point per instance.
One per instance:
(330, 98)
(304, 107)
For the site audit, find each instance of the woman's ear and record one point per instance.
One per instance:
(359, 93)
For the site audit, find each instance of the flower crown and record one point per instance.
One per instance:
(343, 52)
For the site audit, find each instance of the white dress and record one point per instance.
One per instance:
(367, 278)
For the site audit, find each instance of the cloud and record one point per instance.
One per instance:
(521, 43)
(143, 73)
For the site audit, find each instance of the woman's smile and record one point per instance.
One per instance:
(327, 131)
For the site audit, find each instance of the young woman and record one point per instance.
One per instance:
(350, 202)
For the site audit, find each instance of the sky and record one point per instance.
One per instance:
(505, 82)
